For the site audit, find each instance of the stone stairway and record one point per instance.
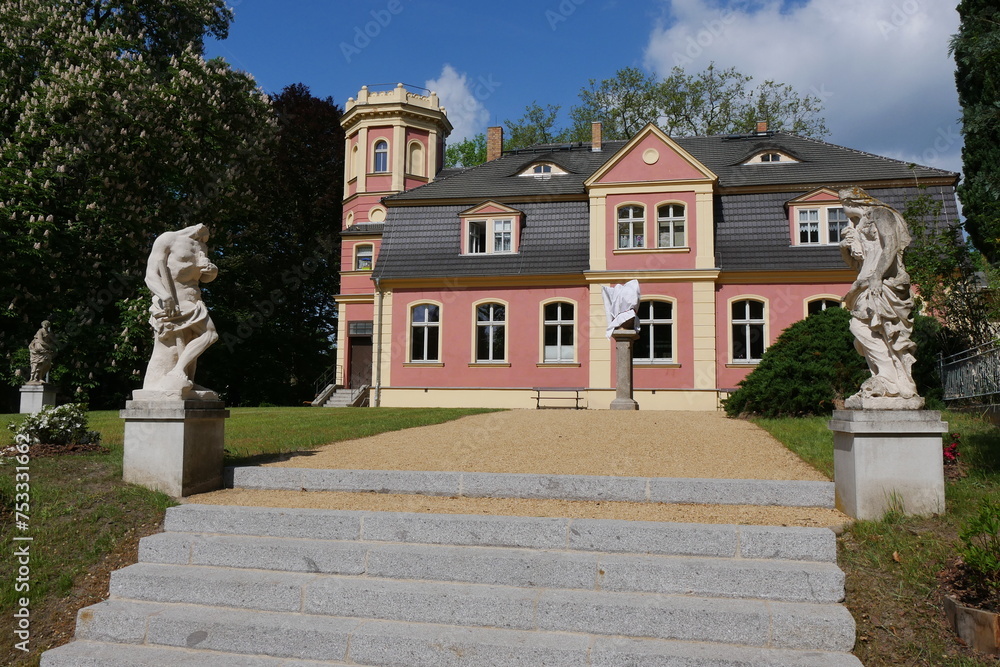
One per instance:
(262, 586)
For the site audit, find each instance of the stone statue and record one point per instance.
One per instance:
(879, 301)
(41, 351)
(182, 329)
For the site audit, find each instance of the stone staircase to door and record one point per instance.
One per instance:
(249, 586)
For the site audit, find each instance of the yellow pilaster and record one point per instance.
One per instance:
(600, 346)
(705, 211)
(598, 244)
(363, 150)
(398, 152)
(703, 318)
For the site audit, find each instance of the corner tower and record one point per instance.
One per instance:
(394, 142)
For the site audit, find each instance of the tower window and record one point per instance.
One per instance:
(381, 156)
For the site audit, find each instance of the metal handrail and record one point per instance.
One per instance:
(972, 373)
(334, 373)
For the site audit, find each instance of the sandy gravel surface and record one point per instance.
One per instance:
(574, 442)
(385, 502)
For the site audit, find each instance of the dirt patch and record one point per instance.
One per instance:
(574, 442)
(572, 509)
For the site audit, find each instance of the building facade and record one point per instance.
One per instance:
(475, 287)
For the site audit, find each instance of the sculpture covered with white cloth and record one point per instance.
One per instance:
(880, 301)
(621, 303)
(182, 329)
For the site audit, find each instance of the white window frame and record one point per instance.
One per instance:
(565, 352)
(672, 220)
(747, 324)
(810, 227)
(423, 329)
(475, 243)
(492, 324)
(498, 236)
(649, 326)
(830, 226)
(380, 149)
(635, 240)
(827, 301)
(362, 251)
(503, 236)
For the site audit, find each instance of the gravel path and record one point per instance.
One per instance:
(567, 442)
(575, 442)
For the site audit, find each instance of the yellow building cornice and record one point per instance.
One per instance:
(463, 282)
(795, 277)
(686, 276)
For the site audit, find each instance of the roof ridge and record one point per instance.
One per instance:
(867, 154)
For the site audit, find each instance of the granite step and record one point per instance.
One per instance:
(786, 493)
(707, 576)
(260, 586)
(299, 638)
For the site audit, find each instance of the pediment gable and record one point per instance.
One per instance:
(817, 196)
(651, 156)
(490, 208)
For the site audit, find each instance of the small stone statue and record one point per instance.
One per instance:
(182, 328)
(879, 301)
(41, 351)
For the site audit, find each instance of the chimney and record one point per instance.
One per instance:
(494, 143)
(761, 127)
(595, 140)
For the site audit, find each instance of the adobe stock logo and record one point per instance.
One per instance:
(363, 35)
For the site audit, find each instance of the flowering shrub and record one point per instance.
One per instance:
(64, 425)
(980, 548)
(951, 452)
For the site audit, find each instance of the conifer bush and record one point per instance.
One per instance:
(813, 363)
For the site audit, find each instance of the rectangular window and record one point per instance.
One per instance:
(670, 226)
(477, 236)
(748, 331)
(808, 226)
(425, 321)
(656, 333)
(364, 258)
(361, 328)
(631, 223)
(836, 221)
(490, 330)
(501, 236)
(558, 333)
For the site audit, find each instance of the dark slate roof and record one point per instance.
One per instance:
(424, 241)
(751, 230)
(819, 163)
(364, 228)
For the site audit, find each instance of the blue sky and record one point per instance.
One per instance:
(881, 66)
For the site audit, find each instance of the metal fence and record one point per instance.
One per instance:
(974, 373)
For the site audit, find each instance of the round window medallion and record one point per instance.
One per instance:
(650, 156)
(377, 214)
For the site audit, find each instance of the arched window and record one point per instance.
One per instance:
(631, 224)
(381, 156)
(748, 331)
(415, 159)
(820, 305)
(656, 333)
(425, 325)
(364, 257)
(559, 341)
(352, 166)
(670, 226)
(490, 332)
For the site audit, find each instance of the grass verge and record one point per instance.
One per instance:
(85, 522)
(892, 564)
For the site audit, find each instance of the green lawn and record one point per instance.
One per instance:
(892, 564)
(81, 510)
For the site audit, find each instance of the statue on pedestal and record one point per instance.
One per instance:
(41, 351)
(880, 301)
(621, 303)
(182, 328)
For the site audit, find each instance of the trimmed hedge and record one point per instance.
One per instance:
(813, 363)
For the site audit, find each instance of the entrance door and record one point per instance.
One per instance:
(360, 361)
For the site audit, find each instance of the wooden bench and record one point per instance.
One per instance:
(558, 394)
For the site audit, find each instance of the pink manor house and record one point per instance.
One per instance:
(481, 286)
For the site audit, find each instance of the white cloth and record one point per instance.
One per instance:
(621, 303)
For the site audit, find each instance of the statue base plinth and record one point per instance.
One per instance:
(174, 446)
(34, 397)
(888, 460)
(623, 375)
(857, 402)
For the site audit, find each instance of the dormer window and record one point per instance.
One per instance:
(543, 170)
(817, 218)
(771, 157)
(490, 228)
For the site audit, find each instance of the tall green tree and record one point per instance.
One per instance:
(279, 269)
(536, 126)
(113, 129)
(976, 48)
(624, 104)
(466, 153)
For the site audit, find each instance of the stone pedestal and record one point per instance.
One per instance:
(36, 396)
(623, 393)
(888, 459)
(174, 446)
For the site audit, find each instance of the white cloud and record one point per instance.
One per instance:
(881, 66)
(463, 101)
